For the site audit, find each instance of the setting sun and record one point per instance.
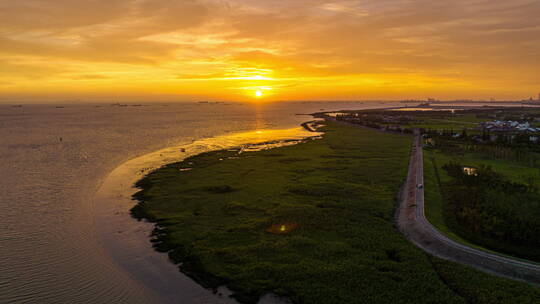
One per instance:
(218, 53)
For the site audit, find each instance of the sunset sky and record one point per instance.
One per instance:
(279, 50)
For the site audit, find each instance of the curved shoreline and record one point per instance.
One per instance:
(413, 224)
(127, 241)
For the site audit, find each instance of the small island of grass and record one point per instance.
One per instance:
(313, 222)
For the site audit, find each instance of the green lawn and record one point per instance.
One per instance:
(313, 222)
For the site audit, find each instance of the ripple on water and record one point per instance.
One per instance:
(49, 249)
(132, 247)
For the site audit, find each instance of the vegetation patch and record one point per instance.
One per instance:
(282, 228)
(219, 189)
(493, 211)
(290, 228)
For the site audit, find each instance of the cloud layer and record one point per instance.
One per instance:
(292, 49)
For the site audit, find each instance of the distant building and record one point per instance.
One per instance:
(470, 171)
(507, 126)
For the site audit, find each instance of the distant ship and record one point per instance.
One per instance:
(118, 105)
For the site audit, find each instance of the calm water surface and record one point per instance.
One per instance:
(54, 243)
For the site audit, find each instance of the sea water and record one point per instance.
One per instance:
(58, 244)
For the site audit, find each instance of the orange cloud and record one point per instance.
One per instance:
(297, 49)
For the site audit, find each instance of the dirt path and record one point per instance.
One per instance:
(416, 228)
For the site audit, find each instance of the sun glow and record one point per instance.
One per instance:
(258, 92)
(223, 56)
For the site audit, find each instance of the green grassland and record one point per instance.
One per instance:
(313, 222)
(434, 176)
(440, 216)
(455, 122)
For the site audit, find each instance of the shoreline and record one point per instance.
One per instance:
(238, 265)
(127, 241)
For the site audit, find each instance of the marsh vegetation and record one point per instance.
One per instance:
(312, 222)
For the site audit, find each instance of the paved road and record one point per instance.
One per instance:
(414, 225)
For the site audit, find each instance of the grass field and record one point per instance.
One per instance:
(457, 123)
(312, 222)
(435, 175)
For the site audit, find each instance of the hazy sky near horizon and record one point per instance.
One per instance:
(282, 49)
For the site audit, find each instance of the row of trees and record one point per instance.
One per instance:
(374, 123)
(522, 152)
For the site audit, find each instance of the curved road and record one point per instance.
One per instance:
(416, 228)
